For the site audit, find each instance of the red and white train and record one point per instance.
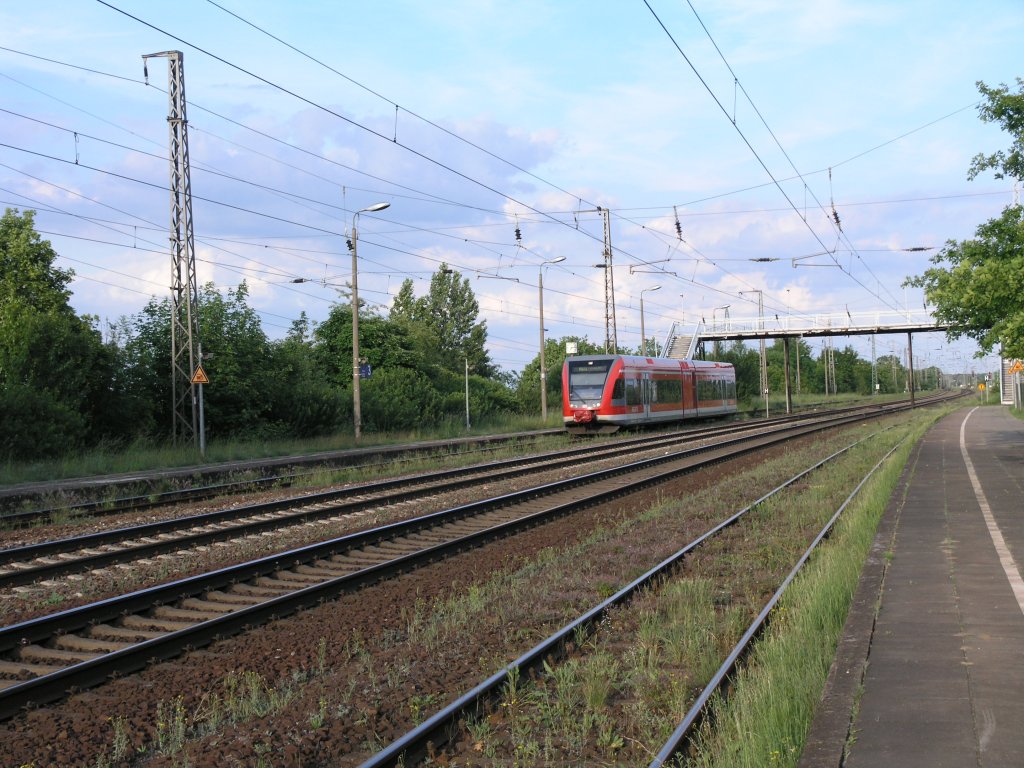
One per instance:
(601, 393)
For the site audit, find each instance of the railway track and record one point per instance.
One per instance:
(62, 557)
(141, 492)
(443, 727)
(283, 472)
(41, 659)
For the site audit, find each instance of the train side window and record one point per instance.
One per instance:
(619, 390)
(634, 396)
(669, 391)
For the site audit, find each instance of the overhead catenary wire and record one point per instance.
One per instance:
(328, 160)
(835, 214)
(247, 270)
(623, 252)
(366, 88)
(316, 105)
(753, 151)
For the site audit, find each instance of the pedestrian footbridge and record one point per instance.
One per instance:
(685, 342)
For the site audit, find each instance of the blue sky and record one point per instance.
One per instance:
(514, 115)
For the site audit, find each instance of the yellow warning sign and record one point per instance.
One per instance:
(200, 377)
(981, 386)
(1017, 367)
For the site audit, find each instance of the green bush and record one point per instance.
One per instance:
(36, 425)
(312, 408)
(395, 399)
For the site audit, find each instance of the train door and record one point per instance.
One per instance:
(690, 393)
(648, 390)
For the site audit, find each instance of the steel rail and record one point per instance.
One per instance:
(307, 507)
(349, 458)
(332, 459)
(54, 685)
(439, 728)
(680, 736)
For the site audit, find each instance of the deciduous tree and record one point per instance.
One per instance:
(56, 374)
(977, 286)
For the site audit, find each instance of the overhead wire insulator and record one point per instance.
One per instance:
(679, 227)
(832, 202)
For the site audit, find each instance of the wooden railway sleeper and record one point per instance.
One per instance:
(172, 619)
(323, 567)
(295, 579)
(40, 653)
(87, 644)
(16, 671)
(281, 586)
(233, 598)
(126, 634)
(170, 612)
(208, 606)
(136, 621)
(265, 592)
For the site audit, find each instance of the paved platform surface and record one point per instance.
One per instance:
(936, 633)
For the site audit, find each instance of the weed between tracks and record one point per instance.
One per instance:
(618, 697)
(34, 599)
(619, 692)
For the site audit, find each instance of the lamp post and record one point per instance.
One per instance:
(714, 327)
(764, 359)
(543, 365)
(357, 415)
(643, 337)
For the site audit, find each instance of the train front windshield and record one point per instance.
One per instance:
(586, 381)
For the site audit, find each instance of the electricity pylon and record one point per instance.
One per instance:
(184, 287)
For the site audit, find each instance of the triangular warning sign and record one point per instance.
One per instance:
(1017, 367)
(199, 377)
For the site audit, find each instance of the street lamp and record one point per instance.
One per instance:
(643, 338)
(714, 319)
(357, 415)
(764, 359)
(543, 365)
(714, 327)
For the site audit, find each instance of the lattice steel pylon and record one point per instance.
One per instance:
(611, 332)
(184, 286)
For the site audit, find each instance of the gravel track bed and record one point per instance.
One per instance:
(30, 601)
(359, 671)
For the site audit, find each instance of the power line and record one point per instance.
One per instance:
(397, 106)
(317, 105)
(425, 196)
(753, 151)
(549, 218)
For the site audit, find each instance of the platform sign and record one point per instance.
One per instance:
(365, 371)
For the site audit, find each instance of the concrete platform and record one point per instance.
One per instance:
(930, 669)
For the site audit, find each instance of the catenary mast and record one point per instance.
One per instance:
(185, 340)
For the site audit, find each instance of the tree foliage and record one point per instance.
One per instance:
(445, 322)
(527, 387)
(63, 387)
(58, 387)
(980, 292)
(976, 285)
(1007, 109)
